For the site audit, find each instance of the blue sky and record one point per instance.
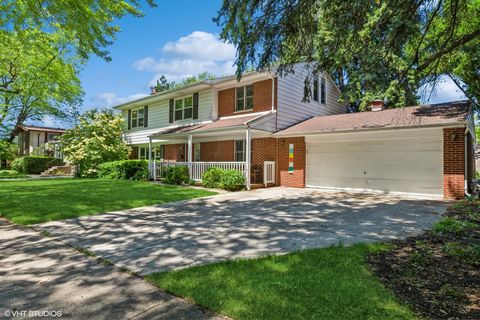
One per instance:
(177, 38)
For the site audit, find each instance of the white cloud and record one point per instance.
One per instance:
(110, 99)
(446, 90)
(196, 53)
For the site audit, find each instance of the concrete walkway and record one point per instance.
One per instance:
(244, 224)
(40, 274)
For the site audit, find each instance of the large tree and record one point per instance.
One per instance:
(384, 49)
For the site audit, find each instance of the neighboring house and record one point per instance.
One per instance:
(261, 126)
(31, 137)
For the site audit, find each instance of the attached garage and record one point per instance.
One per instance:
(418, 150)
(393, 161)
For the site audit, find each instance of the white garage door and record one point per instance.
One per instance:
(394, 161)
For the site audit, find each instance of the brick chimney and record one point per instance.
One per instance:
(377, 105)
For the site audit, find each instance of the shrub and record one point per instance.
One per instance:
(177, 175)
(212, 177)
(124, 169)
(35, 165)
(232, 180)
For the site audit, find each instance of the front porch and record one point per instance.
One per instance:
(251, 152)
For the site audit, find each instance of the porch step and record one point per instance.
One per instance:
(59, 171)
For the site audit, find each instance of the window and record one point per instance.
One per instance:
(240, 150)
(184, 108)
(196, 151)
(137, 118)
(244, 98)
(52, 136)
(315, 89)
(157, 153)
(323, 91)
(142, 153)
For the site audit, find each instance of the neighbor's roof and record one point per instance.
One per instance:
(408, 117)
(221, 123)
(39, 128)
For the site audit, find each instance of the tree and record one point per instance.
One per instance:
(372, 49)
(36, 79)
(163, 84)
(97, 138)
(8, 150)
(86, 25)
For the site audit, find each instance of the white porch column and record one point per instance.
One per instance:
(190, 156)
(248, 155)
(150, 156)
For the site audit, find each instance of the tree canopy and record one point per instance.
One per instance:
(163, 84)
(372, 49)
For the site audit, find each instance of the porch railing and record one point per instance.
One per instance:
(196, 169)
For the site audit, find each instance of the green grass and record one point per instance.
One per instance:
(329, 283)
(36, 201)
(11, 174)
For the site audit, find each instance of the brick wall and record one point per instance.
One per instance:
(217, 151)
(297, 178)
(263, 149)
(175, 152)
(453, 162)
(262, 98)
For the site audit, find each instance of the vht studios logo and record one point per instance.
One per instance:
(33, 313)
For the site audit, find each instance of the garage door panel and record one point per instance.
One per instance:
(412, 164)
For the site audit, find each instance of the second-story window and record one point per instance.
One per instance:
(138, 118)
(184, 108)
(244, 98)
(319, 91)
(323, 91)
(315, 89)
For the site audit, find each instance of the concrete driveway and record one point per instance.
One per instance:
(244, 224)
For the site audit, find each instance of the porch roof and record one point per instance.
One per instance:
(233, 122)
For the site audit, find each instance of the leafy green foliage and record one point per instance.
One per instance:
(37, 201)
(124, 169)
(163, 84)
(96, 139)
(8, 150)
(177, 175)
(35, 164)
(452, 226)
(11, 174)
(372, 49)
(212, 178)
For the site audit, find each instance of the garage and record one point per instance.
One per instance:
(408, 160)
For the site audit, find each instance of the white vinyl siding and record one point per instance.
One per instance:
(409, 161)
(291, 109)
(158, 117)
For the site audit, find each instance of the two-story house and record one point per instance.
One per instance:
(260, 126)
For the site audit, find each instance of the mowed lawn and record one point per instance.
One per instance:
(36, 201)
(329, 283)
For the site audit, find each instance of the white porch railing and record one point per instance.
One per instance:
(196, 169)
(268, 172)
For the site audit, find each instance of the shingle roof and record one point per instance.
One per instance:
(424, 115)
(222, 123)
(39, 128)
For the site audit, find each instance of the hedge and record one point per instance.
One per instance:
(35, 164)
(177, 175)
(231, 180)
(124, 169)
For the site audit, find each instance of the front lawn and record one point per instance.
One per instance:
(329, 283)
(11, 174)
(36, 201)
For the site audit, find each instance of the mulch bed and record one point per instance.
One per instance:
(437, 274)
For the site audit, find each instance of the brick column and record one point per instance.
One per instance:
(453, 163)
(297, 178)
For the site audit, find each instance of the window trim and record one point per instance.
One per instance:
(137, 118)
(316, 89)
(154, 152)
(323, 90)
(244, 154)
(244, 98)
(183, 108)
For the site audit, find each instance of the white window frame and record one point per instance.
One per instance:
(243, 151)
(137, 118)
(316, 89)
(197, 149)
(323, 91)
(245, 97)
(183, 108)
(145, 153)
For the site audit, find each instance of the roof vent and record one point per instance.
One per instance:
(377, 105)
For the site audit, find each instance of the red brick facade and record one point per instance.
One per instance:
(453, 163)
(262, 99)
(263, 149)
(297, 178)
(175, 152)
(217, 151)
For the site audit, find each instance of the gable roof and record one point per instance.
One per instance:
(39, 128)
(453, 113)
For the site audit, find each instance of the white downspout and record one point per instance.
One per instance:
(466, 162)
(190, 156)
(248, 156)
(273, 92)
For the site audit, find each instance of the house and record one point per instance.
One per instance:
(259, 125)
(30, 138)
